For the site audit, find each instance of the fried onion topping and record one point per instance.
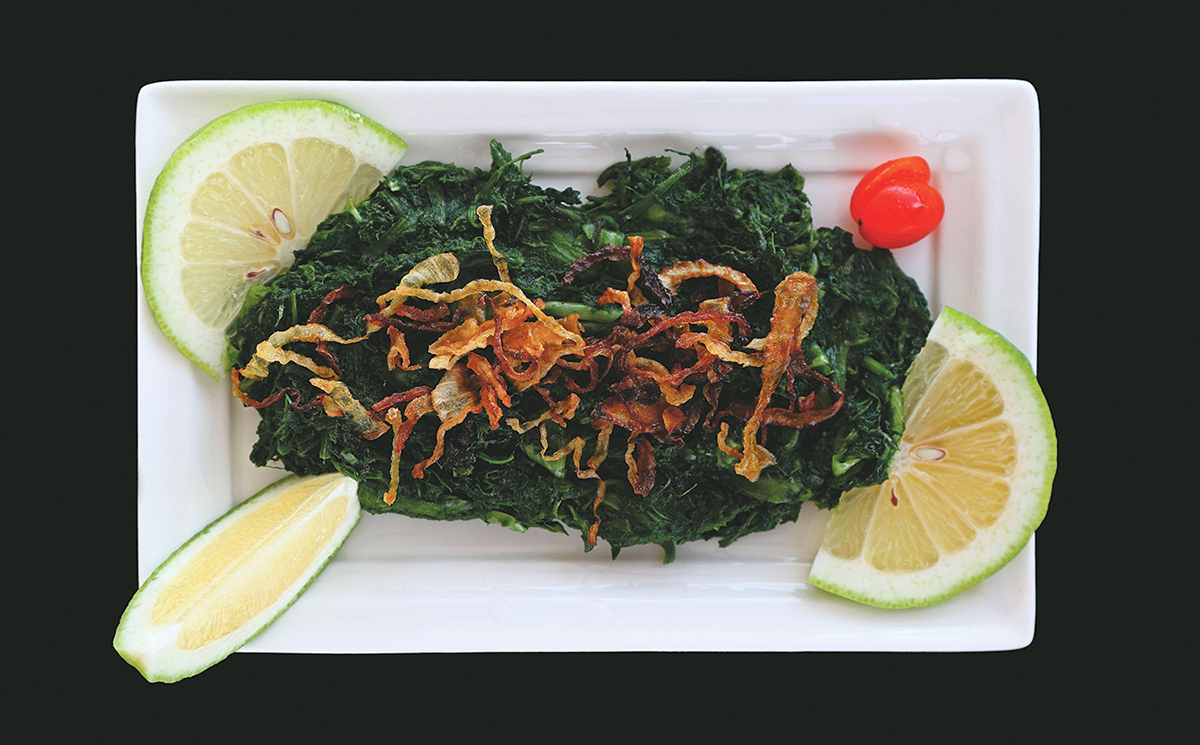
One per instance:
(792, 319)
(664, 372)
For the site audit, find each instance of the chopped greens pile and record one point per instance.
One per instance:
(662, 484)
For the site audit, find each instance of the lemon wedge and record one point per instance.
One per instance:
(234, 578)
(968, 486)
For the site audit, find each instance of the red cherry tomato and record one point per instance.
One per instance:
(894, 205)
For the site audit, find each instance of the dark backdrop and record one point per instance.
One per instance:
(76, 567)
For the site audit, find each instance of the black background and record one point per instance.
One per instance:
(1106, 129)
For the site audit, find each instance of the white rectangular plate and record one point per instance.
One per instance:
(405, 585)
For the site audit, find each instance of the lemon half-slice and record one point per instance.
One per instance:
(969, 483)
(235, 201)
(234, 578)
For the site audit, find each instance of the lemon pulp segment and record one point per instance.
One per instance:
(249, 219)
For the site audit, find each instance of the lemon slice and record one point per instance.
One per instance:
(969, 483)
(234, 578)
(238, 198)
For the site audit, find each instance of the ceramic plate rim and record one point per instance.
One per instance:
(550, 597)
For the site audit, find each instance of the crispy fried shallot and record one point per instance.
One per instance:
(272, 350)
(674, 275)
(436, 269)
(318, 313)
(339, 401)
(453, 398)
(607, 253)
(493, 340)
(484, 213)
(562, 411)
(575, 448)
(636, 417)
(398, 356)
(402, 426)
(792, 319)
(640, 278)
(389, 300)
(288, 391)
(394, 400)
(639, 459)
(492, 390)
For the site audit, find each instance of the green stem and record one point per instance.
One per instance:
(607, 314)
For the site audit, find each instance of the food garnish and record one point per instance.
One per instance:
(894, 205)
(968, 486)
(532, 349)
(233, 579)
(238, 198)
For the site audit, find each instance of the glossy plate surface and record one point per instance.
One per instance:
(405, 585)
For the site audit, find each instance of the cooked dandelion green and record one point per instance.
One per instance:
(871, 321)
